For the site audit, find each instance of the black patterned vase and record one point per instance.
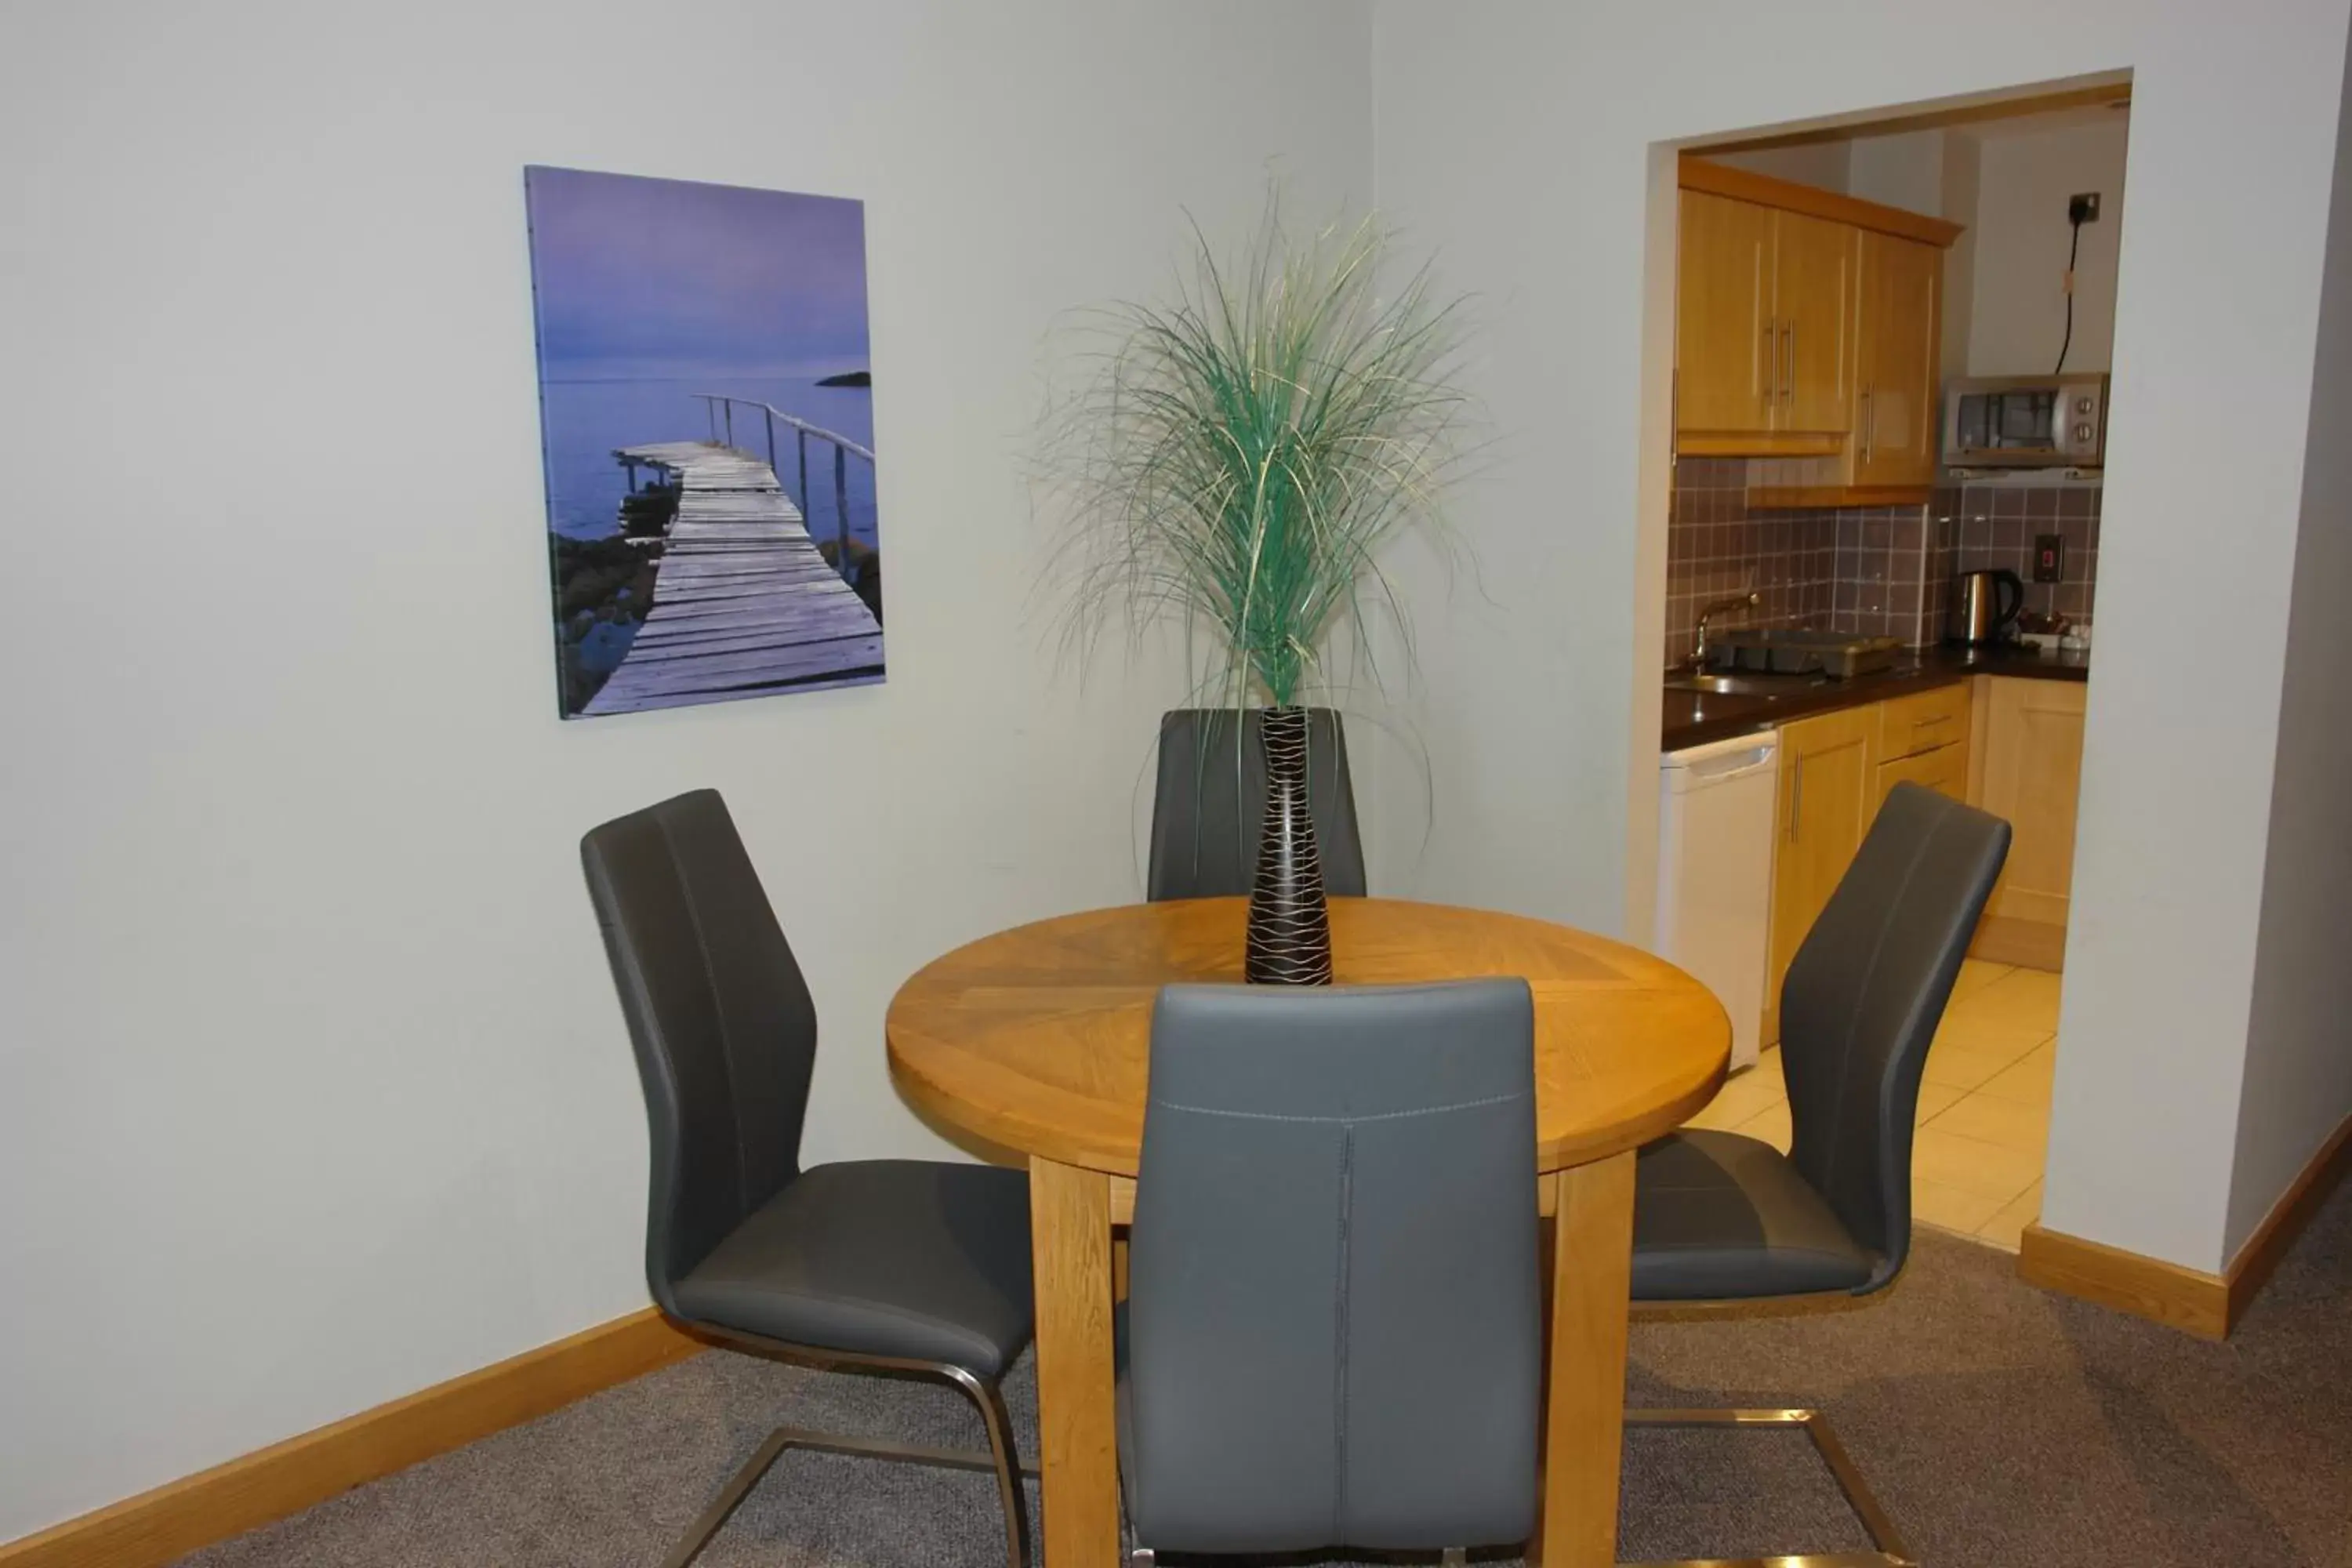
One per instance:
(1290, 918)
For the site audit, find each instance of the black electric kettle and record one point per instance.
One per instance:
(1985, 606)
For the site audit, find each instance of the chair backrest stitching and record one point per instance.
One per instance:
(719, 1012)
(1853, 1014)
(1340, 1359)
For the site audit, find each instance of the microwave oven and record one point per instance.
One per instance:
(2025, 422)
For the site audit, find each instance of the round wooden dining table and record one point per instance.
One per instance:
(1031, 1046)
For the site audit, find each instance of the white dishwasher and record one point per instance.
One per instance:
(1714, 873)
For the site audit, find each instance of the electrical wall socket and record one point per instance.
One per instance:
(2049, 557)
(2083, 209)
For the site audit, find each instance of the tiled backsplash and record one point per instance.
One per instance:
(1872, 571)
(1717, 548)
(1994, 525)
(1890, 575)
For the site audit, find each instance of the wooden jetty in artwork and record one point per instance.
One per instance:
(743, 602)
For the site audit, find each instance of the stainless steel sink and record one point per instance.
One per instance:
(1744, 685)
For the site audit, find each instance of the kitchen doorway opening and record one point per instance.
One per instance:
(1877, 564)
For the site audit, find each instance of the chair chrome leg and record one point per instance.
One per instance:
(1009, 1490)
(731, 1496)
(1890, 1552)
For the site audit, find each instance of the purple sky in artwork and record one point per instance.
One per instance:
(641, 277)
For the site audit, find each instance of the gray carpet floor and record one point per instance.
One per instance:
(2003, 1426)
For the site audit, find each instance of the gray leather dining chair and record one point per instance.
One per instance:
(1724, 1221)
(1210, 803)
(888, 1266)
(1332, 1332)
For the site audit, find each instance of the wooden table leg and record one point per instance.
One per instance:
(1078, 1435)
(1584, 1419)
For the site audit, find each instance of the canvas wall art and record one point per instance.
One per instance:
(706, 412)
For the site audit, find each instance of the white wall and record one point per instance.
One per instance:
(2019, 316)
(1825, 165)
(312, 1087)
(1524, 136)
(1960, 187)
(2299, 1077)
(1904, 170)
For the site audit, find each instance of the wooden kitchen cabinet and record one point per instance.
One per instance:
(1726, 344)
(2028, 768)
(1763, 329)
(1791, 301)
(1943, 770)
(1923, 722)
(1814, 262)
(1827, 793)
(1897, 438)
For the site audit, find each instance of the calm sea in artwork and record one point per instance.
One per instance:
(650, 293)
(587, 421)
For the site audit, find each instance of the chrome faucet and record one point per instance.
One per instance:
(1747, 601)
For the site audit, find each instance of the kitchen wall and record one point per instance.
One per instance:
(312, 1087)
(1983, 526)
(1718, 548)
(1889, 582)
(2017, 318)
(1872, 571)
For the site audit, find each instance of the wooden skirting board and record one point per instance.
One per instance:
(2126, 1281)
(2205, 1304)
(160, 1526)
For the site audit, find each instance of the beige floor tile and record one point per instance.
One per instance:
(1935, 1098)
(1991, 1036)
(1974, 975)
(2026, 1081)
(1950, 1160)
(1771, 1125)
(1950, 1208)
(1966, 1067)
(2011, 1124)
(2023, 999)
(2007, 1227)
(1719, 1118)
(1743, 1096)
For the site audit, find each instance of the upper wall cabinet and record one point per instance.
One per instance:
(1765, 315)
(1806, 328)
(1813, 291)
(1727, 344)
(1897, 345)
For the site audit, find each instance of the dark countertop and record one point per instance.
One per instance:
(1694, 719)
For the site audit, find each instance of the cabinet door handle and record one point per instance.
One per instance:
(1789, 383)
(1796, 794)
(1869, 423)
(1771, 357)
